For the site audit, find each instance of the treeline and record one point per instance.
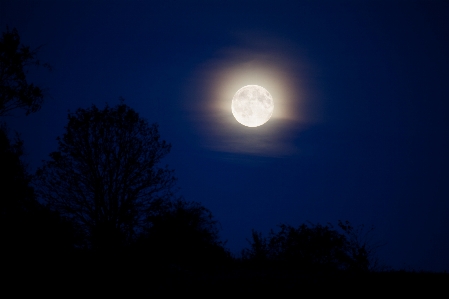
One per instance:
(102, 194)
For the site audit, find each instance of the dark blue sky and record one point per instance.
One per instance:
(361, 131)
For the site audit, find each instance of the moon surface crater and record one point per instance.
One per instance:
(252, 105)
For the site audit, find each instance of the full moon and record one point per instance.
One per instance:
(252, 105)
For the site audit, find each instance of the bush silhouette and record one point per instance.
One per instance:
(184, 234)
(309, 248)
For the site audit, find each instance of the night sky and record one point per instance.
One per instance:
(360, 129)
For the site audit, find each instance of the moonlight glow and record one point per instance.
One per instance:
(286, 77)
(252, 105)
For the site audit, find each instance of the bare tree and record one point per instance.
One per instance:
(105, 175)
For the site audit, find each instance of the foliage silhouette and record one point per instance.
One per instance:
(361, 245)
(15, 91)
(105, 175)
(184, 234)
(14, 180)
(309, 248)
(27, 228)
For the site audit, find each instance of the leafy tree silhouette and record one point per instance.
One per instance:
(27, 228)
(361, 245)
(309, 248)
(15, 91)
(29, 232)
(184, 234)
(105, 174)
(14, 180)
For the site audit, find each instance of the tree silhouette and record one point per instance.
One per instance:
(15, 91)
(14, 180)
(27, 229)
(105, 174)
(310, 247)
(184, 233)
(361, 245)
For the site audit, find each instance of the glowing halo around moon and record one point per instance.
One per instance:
(252, 105)
(278, 66)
